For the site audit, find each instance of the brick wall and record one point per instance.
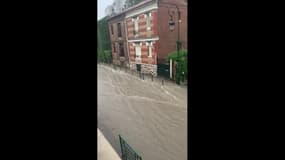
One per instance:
(115, 40)
(159, 27)
(114, 22)
(142, 21)
(167, 39)
(144, 52)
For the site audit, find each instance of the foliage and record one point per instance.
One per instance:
(104, 34)
(104, 53)
(104, 56)
(183, 60)
(173, 55)
(130, 3)
(108, 56)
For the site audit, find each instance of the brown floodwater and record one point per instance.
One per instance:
(152, 118)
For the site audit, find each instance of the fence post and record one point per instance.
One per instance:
(121, 147)
(152, 77)
(162, 81)
(143, 76)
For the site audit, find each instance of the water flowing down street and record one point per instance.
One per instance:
(152, 118)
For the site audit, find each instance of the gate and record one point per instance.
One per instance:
(127, 152)
(163, 70)
(138, 67)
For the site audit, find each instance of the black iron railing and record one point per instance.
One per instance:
(127, 152)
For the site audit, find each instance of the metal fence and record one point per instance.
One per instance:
(127, 152)
(163, 70)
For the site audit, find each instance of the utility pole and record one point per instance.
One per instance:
(178, 42)
(178, 48)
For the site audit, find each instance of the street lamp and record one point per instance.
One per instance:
(171, 24)
(178, 42)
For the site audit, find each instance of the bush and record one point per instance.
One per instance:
(173, 55)
(108, 56)
(105, 56)
(183, 61)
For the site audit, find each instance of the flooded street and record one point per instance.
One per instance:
(150, 117)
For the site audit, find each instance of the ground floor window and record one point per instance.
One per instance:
(122, 52)
(137, 50)
(149, 44)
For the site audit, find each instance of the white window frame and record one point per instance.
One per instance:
(148, 21)
(138, 50)
(149, 44)
(136, 26)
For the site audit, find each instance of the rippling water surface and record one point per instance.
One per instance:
(152, 118)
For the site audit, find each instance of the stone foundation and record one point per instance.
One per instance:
(133, 66)
(145, 68)
(116, 62)
(120, 63)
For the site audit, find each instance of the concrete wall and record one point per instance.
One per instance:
(105, 150)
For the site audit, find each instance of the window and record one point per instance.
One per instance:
(148, 15)
(136, 25)
(149, 44)
(112, 29)
(122, 53)
(119, 30)
(138, 50)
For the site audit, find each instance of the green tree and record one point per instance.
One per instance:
(130, 3)
(103, 41)
(104, 32)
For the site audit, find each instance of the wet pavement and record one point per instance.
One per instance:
(152, 118)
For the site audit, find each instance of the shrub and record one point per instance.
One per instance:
(183, 61)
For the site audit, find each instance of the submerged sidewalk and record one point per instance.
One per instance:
(105, 150)
(147, 78)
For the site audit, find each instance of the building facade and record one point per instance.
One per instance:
(118, 40)
(149, 39)
(142, 37)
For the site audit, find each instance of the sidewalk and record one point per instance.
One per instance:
(147, 78)
(105, 150)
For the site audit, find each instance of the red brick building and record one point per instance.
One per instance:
(149, 39)
(118, 39)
